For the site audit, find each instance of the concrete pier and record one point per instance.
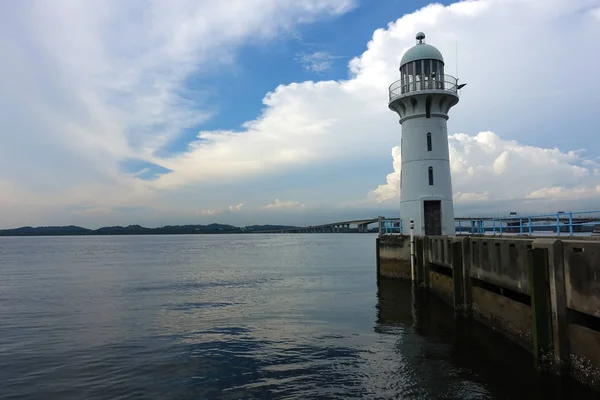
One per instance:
(543, 294)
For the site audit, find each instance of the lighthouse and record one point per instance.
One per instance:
(422, 98)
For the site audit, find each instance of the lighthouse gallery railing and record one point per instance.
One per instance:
(442, 82)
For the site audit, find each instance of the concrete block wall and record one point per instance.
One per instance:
(500, 287)
(502, 262)
(544, 294)
(440, 261)
(582, 270)
(439, 250)
(581, 263)
(393, 256)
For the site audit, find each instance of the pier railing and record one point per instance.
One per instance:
(391, 227)
(561, 223)
(572, 223)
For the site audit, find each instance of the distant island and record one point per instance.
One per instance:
(139, 230)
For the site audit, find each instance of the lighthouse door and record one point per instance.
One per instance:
(433, 217)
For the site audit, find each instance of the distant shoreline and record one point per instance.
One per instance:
(140, 230)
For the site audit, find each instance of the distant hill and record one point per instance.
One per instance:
(46, 231)
(138, 230)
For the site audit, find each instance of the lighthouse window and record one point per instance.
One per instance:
(419, 74)
(435, 74)
(430, 176)
(427, 74)
(418, 68)
(440, 74)
(429, 142)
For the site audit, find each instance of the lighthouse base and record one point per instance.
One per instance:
(431, 216)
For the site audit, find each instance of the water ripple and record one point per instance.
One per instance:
(241, 317)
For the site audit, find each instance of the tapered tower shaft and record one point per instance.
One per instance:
(423, 97)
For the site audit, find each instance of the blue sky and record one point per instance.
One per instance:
(259, 66)
(275, 112)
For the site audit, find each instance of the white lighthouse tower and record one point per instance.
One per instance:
(422, 98)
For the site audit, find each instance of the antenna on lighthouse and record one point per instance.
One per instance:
(458, 87)
(456, 52)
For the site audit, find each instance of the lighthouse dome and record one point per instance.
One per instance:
(421, 51)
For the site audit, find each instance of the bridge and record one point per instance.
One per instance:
(360, 226)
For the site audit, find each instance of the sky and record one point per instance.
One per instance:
(275, 112)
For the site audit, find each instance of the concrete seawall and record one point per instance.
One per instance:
(543, 294)
(393, 257)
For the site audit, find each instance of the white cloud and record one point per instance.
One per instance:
(560, 192)
(485, 167)
(467, 197)
(209, 212)
(90, 86)
(230, 209)
(347, 119)
(96, 211)
(391, 189)
(319, 61)
(236, 207)
(279, 204)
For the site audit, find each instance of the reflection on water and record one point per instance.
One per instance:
(236, 317)
(480, 362)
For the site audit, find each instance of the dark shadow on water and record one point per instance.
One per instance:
(474, 350)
